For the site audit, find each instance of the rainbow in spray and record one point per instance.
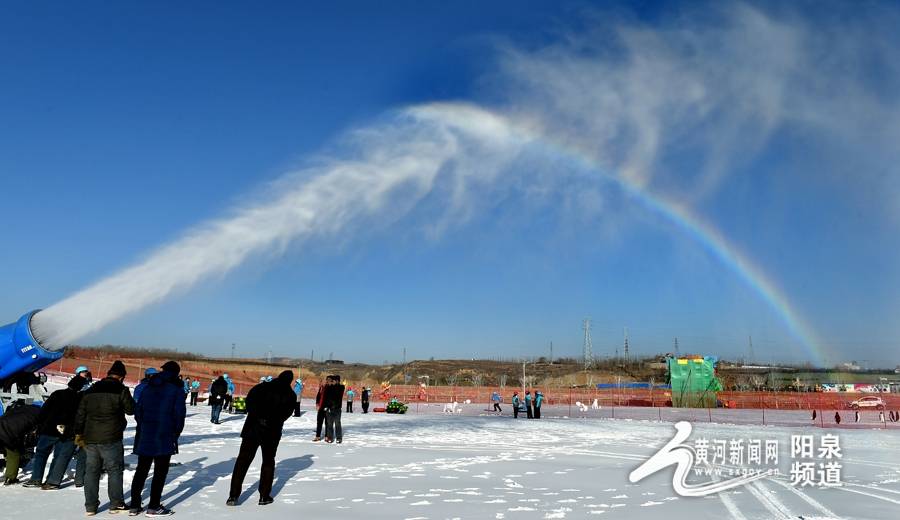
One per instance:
(714, 242)
(528, 133)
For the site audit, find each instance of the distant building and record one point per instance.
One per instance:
(334, 362)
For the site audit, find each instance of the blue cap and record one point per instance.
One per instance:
(81, 369)
(150, 371)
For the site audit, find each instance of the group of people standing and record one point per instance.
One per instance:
(90, 419)
(532, 404)
(329, 401)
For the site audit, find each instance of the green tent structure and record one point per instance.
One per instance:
(694, 382)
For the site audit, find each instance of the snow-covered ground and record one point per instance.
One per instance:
(435, 466)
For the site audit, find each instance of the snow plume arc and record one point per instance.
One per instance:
(455, 148)
(392, 167)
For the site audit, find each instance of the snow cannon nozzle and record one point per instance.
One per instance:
(20, 351)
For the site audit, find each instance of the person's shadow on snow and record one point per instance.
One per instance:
(285, 470)
(204, 476)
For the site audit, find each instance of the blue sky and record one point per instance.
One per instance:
(125, 125)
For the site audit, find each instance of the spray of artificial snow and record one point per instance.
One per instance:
(395, 165)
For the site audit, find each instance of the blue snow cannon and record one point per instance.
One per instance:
(20, 351)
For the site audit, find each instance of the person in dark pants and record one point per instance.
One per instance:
(217, 392)
(332, 400)
(80, 454)
(160, 419)
(298, 389)
(99, 424)
(364, 399)
(496, 399)
(17, 429)
(350, 395)
(528, 404)
(538, 401)
(269, 404)
(56, 434)
(515, 404)
(320, 408)
(195, 391)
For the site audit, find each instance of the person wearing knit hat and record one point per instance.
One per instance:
(99, 425)
(117, 369)
(269, 404)
(160, 417)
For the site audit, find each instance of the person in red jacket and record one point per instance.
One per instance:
(320, 409)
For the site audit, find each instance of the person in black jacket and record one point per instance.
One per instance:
(99, 424)
(17, 428)
(364, 399)
(332, 401)
(217, 398)
(56, 434)
(269, 404)
(160, 416)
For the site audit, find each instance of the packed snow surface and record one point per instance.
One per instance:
(434, 466)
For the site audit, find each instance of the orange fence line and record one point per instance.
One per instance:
(552, 396)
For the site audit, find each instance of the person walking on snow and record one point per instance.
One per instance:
(269, 404)
(298, 389)
(56, 425)
(364, 399)
(495, 397)
(350, 395)
(515, 404)
(99, 424)
(528, 404)
(160, 417)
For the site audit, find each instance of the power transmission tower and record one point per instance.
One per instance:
(750, 338)
(551, 352)
(676, 347)
(232, 350)
(625, 349)
(588, 350)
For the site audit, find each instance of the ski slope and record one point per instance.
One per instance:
(434, 466)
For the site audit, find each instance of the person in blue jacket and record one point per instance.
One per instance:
(139, 389)
(496, 399)
(195, 391)
(515, 402)
(229, 397)
(350, 395)
(528, 408)
(160, 420)
(298, 389)
(538, 401)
